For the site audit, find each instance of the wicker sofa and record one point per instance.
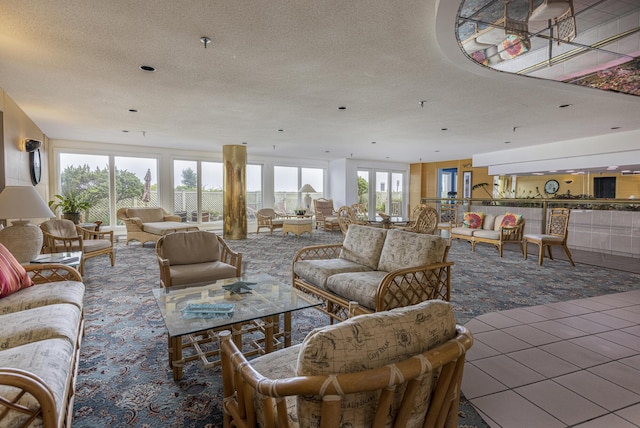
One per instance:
(150, 223)
(42, 327)
(497, 230)
(379, 269)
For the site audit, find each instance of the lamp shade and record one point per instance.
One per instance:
(307, 188)
(22, 239)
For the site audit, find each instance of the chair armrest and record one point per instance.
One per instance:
(52, 272)
(134, 224)
(172, 217)
(318, 252)
(405, 287)
(165, 271)
(51, 242)
(94, 234)
(230, 257)
(32, 385)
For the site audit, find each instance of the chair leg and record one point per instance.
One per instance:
(568, 253)
(550, 254)
(540, 253)
(524, 250)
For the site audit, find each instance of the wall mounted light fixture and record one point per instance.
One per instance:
(29, 145)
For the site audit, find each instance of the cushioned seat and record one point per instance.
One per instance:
(196, 257)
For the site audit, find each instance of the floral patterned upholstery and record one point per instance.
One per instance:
(363, 245)
(371, 341)
(404, 250)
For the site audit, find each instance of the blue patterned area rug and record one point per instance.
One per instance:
(124, 379)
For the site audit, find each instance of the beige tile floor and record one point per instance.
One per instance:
(565, 364)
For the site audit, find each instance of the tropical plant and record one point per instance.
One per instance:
(69, 203)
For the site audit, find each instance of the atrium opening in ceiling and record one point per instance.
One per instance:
(594, 43)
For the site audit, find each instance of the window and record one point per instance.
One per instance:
(185, 189)
(87, 176)
(254, 190)
(288, 180)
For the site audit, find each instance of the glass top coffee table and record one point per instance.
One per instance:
(194, 314)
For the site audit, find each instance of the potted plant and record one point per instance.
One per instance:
(71, 205)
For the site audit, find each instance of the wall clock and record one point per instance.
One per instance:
(35, 166)
(551, 187)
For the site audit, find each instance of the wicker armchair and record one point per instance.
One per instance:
(268, 218)
(448, 217)
(196, 257)
(64, 236)
(424, 219)
(557, 233)
(346, 216)
(325, 214)
(396, 368)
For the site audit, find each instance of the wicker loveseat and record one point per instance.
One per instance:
(495, 230)
(150, 223)
(40, 339)
(379, 269)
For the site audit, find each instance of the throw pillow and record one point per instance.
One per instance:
(511, 220)
(473, 220)
(13, 276)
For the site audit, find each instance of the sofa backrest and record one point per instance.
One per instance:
(363, 245)
(147, 214)
(371, 341)
(408, 249)
(187, 248)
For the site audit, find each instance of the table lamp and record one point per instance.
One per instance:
(22, 239)
(307, 188)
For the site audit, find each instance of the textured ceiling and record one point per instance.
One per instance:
(72, 66)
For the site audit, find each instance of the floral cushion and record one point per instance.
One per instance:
(316, 272)
(473, 220)
(42, 295)
(13, 276)
(363, 245)
(371, 341)
(510, 220)
(408, 249)
(361, 287)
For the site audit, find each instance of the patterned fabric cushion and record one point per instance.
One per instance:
(408, 249)
(511, 220)
(277, 365)
(44, 294)
(50, 361)
(316, 272)
(473, 220)
(360, 287)
(46, 322)
(363, 245)
(371, 341)
(201, 272)
(13, 276)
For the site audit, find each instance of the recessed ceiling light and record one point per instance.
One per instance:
(626, 170)
(373, 142)
(564, 105)
(612, 167)
(132, 110)
(327, 151)
(244, 142)
(553, 171)
(444, 129)
(507, 142)
(387, 157)
(125, 130)
(148, 68)
(537, 173)
(437, 151)
(280, 130)
(615, 127)
(571, 170)
(342, 108)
